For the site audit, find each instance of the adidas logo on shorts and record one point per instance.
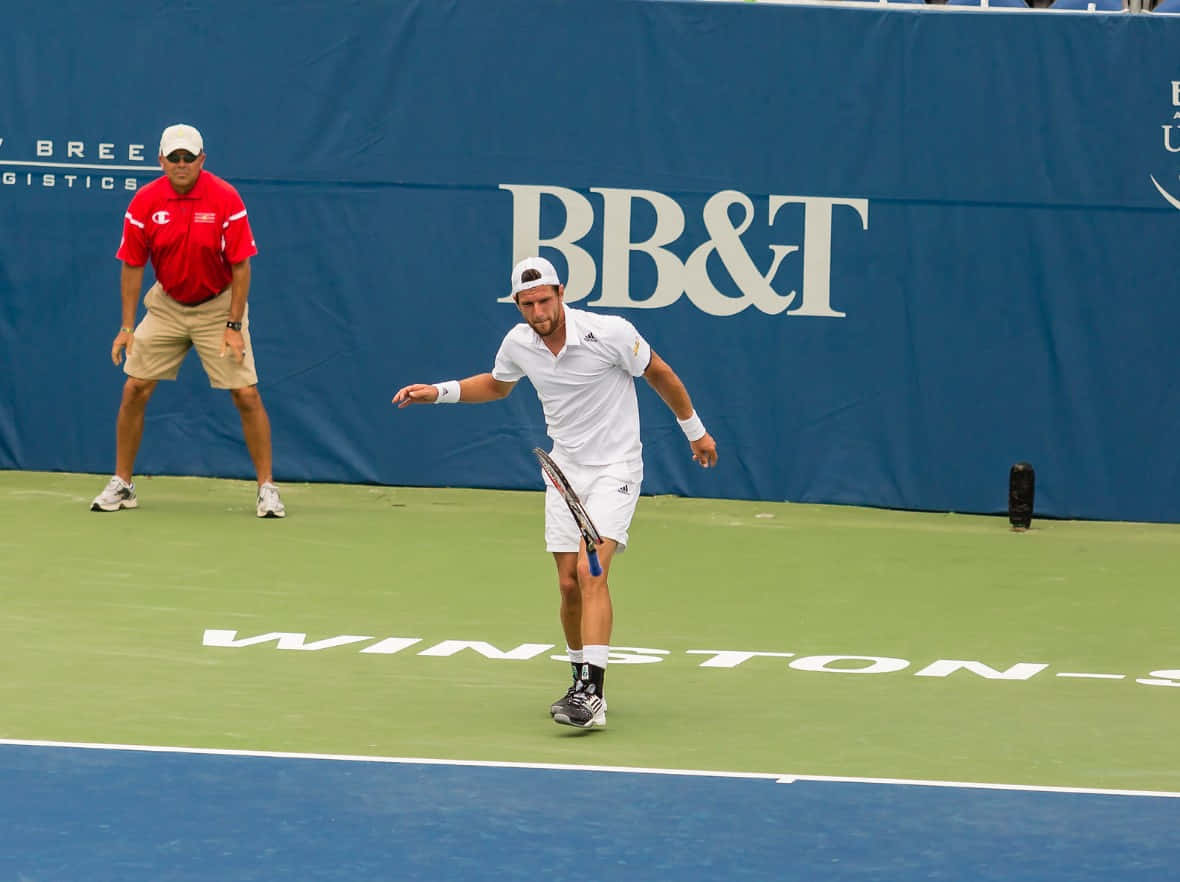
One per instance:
(625, 490)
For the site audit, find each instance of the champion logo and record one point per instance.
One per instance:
(625, 490)
(590, 338)
(161, 218)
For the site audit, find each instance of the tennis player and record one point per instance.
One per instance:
(583, 366)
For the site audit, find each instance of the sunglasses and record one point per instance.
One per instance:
(180, 156)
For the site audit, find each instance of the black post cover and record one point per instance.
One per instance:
(1022, 482)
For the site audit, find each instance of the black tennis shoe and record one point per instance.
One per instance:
(561, 703)
(583, 711)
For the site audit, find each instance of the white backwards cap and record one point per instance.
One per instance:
(541, 265)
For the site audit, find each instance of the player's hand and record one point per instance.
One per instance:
(233, 343)
(704, 451)
(416, 393)
(124, 339)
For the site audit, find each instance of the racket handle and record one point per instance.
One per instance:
(595, 566)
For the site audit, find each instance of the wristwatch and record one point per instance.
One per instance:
(234, 326)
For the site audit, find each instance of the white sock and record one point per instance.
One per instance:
(596, 654)
(576, 656)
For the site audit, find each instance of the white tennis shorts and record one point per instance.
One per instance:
(609, 495)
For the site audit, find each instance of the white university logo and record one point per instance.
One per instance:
(689, 277)
(1171, 143)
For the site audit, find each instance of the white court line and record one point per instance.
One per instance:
(570, 767)
(974, 785)
(405, 760)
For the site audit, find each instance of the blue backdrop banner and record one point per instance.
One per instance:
(890, 251)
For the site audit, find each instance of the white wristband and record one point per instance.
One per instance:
(693, 428)
(448, 392)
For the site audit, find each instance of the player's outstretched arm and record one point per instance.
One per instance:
(670, 388)
(473, 390)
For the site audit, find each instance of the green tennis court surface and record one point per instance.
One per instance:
(902, 645)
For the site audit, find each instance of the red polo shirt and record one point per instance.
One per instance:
(191, 239)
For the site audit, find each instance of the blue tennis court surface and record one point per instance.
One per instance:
(81, 813)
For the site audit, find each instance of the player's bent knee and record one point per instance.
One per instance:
(136, 390)
(246, 398)
(588, 582)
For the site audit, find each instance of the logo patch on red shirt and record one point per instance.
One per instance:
(161, 217)
(204, 217)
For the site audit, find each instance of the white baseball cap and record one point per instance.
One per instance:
(541, 265)
(181, 137)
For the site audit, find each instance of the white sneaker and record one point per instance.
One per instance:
(118, 494)
(269, 504)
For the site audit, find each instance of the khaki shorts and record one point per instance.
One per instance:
(170, 329)
(609, 495)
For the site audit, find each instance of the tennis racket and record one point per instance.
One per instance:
(589, 532)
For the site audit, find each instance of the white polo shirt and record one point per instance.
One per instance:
(587, 390)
